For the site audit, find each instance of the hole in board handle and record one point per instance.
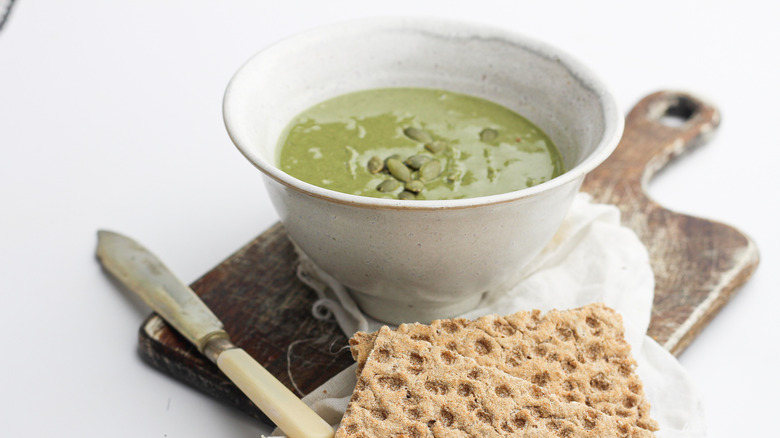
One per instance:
(680, 109)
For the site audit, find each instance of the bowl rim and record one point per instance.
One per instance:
(612, 117)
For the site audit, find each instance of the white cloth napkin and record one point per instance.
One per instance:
(592, 258)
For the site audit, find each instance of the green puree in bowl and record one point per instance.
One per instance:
(374, 142)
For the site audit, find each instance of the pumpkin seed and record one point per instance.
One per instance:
(453, 176)
(387, 185)
(416, 161)
(414, 186)
(406, 195)
(418, 134)
(395, 156)
(488, 134)
(375, 164)
(430, 170)
(436, 146)
(398, 169)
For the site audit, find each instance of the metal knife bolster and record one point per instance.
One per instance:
(216, 345)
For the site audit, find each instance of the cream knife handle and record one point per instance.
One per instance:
(143, 273)
(286, 410)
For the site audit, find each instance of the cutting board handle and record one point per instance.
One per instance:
(698, 263)
(660, 127)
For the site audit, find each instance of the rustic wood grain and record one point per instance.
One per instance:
(698, 265)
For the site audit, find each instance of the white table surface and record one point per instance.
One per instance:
(110, 117)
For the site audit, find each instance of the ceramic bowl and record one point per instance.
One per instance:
(421, 260)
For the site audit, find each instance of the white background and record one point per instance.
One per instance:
(110, 117)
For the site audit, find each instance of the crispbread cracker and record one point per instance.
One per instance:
(412, 388)
(578, 354)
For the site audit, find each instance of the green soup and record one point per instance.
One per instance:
(416, 143)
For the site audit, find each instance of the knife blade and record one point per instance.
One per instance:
(144, 274)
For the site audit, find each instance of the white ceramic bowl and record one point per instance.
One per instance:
(420, 260)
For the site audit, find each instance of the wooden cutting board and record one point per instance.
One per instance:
(698, 265)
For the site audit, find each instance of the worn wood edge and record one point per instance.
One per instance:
(205, 378)
(721, 294)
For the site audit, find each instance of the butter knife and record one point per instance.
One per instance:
(144, 274)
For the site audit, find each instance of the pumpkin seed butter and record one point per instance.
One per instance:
(416, 143)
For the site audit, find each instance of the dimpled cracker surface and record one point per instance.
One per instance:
(579, 354)
(412, 388)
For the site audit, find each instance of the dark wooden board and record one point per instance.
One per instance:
(698, 265)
